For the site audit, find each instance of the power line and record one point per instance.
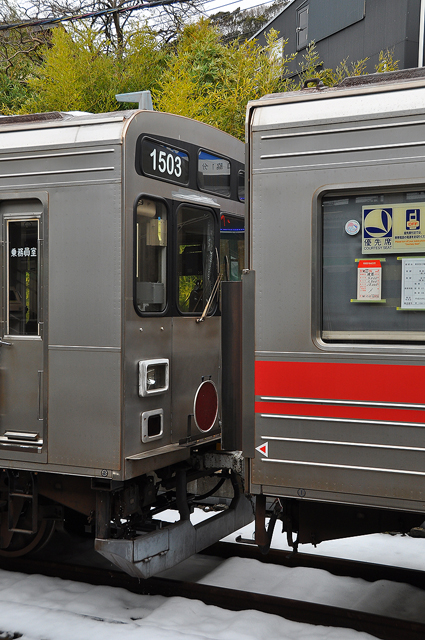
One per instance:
(91, 14)
(95, 14)
(238, 2)
(214, 9)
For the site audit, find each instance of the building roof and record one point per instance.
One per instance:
(264, 27)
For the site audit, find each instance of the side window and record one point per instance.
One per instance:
(373, 267)
(241, 186)
(197, 259)
(214, 174)
(151, 256)
(232, 246)
(22, 277)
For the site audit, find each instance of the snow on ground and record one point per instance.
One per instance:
(43, 608)
(383, 548)
(52, 609)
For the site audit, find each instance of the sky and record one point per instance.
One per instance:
(43, 608)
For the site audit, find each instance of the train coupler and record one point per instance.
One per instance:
(150, 553)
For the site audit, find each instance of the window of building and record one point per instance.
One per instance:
(302, 26)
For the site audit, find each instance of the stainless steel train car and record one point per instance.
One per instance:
(110, 347)
(334, 346)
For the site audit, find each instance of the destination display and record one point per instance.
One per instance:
(214, 173)
(164, 162)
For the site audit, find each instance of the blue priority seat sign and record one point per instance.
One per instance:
(393, 228)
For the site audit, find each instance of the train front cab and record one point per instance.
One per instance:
(179, 191)
(110, 376)
(334, 393)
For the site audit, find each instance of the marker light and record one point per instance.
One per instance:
(205, 406)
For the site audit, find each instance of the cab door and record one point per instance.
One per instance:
(21, 354)
(196, 326)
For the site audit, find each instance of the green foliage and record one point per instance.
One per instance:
(20, 53)
(13, 93)
(310, 66)
(78, 74)
(212, 82)
(386, 62)
(75, 69)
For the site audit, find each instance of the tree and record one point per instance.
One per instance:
(79, 75)
(20, 52)
(199, 77)
(112, 18)
(310, 66)
(212, 82)
(243, 24)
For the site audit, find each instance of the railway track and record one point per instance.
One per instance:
(339, 567)
(385, 628)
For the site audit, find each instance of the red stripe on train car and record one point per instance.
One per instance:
(341, 381)
(347, 413)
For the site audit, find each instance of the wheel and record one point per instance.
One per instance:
(22, 543)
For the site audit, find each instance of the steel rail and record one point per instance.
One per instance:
(337, 566)
(382, 627)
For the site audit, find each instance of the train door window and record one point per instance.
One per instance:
(232, 252)
(22, 277)
(214, 173)
(197, 259)
(373, 267)
(241, 186)
(151, 256)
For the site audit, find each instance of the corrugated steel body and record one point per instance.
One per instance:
(77, 174)
(342, 422)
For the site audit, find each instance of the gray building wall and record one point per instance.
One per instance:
(352, 30)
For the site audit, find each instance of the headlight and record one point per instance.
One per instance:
(153, 376)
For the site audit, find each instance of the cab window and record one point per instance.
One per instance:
(151, 255)
(196, 260)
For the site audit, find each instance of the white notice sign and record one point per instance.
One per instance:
(369, 280)
(413, 283)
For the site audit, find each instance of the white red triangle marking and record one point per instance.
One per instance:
(263, 449)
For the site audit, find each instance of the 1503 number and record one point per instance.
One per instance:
(166, 163)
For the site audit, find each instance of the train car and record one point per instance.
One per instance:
(334, 346)
(110, 347)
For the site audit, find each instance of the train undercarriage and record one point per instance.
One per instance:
(308, 522)
(128, 520)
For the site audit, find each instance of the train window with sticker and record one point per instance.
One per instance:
(214, 173)
(22, 275)
(373, 267)
(151, 256)
(196, 260)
